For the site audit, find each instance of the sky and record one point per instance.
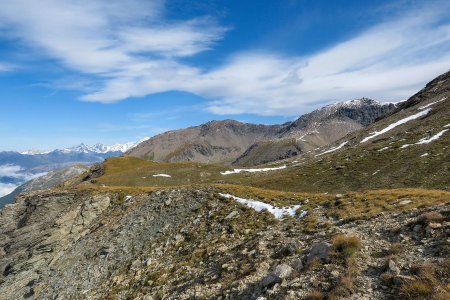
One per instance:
(115, 71)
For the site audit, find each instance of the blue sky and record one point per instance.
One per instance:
(116, 71)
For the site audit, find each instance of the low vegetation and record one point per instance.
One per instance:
(429, 281)
(344, 247)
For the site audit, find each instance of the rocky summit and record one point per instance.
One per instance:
(364, 217)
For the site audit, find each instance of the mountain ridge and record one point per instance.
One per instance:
(83, 148)
(226, 141)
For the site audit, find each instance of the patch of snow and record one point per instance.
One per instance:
(374, 173)
(127, 198)
(162, 175)
(432, 103)
(404, 202)
(333, 149)
(34, 152)
(397, 102)
(303, 214)
(425, 154)
(301, 138)
(405, 146)
(278, 212)
(433, 138)
(236, 171)
(382, 149)
(398, 123)
(448, 125)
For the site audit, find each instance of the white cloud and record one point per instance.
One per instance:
(6, 188)
(17, 172)
(105, 36)
(6, 67)
(10, 170)
(133, 50)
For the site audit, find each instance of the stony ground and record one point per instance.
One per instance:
(193, 244)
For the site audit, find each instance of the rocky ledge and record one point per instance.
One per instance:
(193, 244)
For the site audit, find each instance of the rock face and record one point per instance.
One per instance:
(180, 244)
(249, 144)
(51, 239)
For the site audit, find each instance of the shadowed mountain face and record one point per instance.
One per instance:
(250, 144)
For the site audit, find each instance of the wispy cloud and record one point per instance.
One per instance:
(6, 67)
(133, 50)
(17, 172)
(389, 61)
(6, 188)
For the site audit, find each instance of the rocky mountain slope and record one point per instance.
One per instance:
(316, 129)
(193, 243)
(249, 144)
(366, 217)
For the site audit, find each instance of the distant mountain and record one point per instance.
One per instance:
(83, 148)
(316, 129)
(233, 142)
(17, 168)
(46, 181)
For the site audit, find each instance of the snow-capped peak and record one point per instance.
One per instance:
(34, 152)
(97, 148)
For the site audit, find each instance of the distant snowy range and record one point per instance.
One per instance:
(17, 168)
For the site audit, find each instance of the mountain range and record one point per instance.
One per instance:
(364, 216)
(98, 148)
(233, 142)
(17, 168)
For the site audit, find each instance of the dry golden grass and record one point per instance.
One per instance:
(135, 175)
(430, 282)
(315, 295)
(345, 247)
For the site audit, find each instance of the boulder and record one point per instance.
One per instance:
(320, 250)
(286, 250)
(232, 215)
(297, 264)
(393, 267)
(279, 273)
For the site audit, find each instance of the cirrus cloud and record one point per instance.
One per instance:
(134, 51)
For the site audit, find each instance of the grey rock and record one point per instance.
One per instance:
(297, 264)
(286, 250)
(393, 267)
(320, 250)
(279, 273)
(417, 228)
(232, 215)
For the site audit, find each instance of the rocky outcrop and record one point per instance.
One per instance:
(189, 243)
